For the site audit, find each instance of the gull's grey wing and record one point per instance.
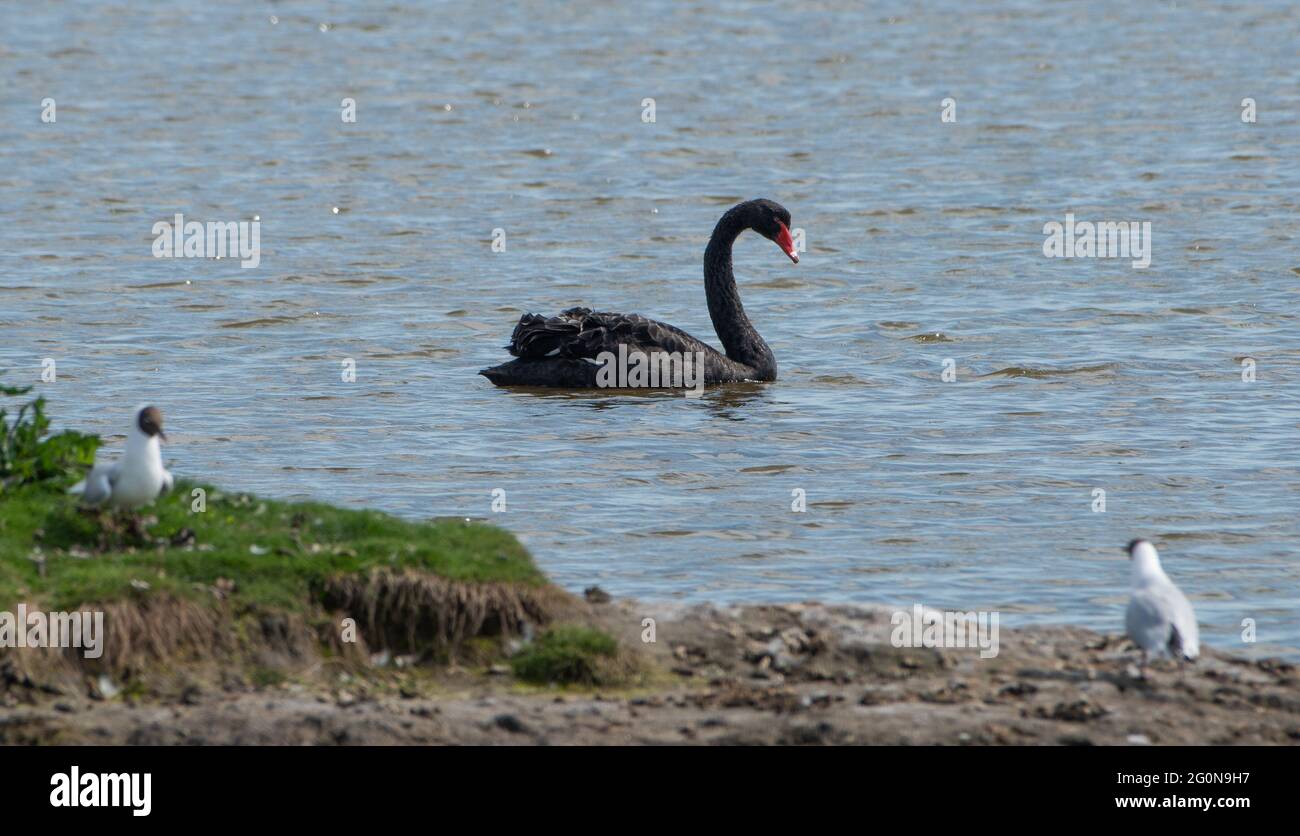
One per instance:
(1147, 623)
(1186, 638)
(167, 482)
(1161, 620)
(98, 485)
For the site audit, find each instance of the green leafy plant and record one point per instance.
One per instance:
(27, 455)
(568, 654)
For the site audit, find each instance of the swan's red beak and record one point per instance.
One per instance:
(784, 241)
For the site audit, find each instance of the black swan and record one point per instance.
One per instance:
(564, 350)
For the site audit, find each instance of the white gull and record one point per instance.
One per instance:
(138, 477)
(1159, 618)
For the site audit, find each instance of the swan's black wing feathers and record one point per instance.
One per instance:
(581, 333)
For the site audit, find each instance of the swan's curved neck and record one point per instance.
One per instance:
(738, 336)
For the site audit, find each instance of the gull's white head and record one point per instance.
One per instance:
(148, 422)
(1146, 561)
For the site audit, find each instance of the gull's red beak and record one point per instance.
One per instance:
(784, 241)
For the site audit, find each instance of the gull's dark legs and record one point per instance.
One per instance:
(136, 524)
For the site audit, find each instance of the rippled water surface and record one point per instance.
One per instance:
(924, 243)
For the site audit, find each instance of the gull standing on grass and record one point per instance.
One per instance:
(1160, 618)
(138, 477)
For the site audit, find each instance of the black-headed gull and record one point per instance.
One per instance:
(1160, 618)
(138, 477)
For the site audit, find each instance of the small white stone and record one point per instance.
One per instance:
(107, 688)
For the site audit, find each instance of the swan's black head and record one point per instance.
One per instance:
(770, 219)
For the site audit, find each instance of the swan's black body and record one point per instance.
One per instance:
(562, 350)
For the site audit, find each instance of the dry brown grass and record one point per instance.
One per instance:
(409, 612)
(159, 640)
(139, 636)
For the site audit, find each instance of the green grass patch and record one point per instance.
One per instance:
(258, 553)
(569, 655)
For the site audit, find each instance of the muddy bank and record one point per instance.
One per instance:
(791, 674)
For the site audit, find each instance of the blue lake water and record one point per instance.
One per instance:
(924, 244)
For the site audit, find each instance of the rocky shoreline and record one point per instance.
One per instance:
(787, 674)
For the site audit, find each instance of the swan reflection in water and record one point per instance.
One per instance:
(730, 401)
